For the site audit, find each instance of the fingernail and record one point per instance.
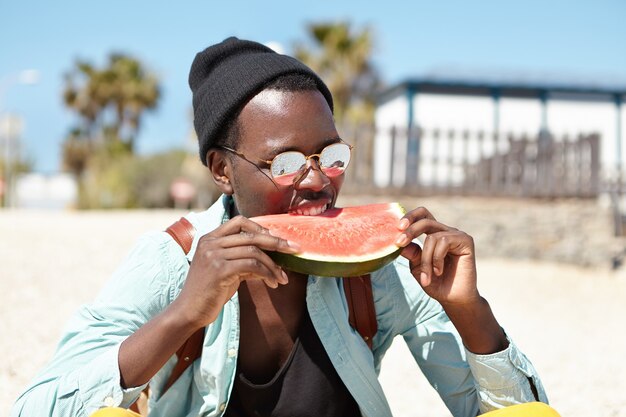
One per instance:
(404, 223)
(293, 245)
(285, 279)
(423, 276)
(402, 240)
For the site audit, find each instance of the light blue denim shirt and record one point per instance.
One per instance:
(84, 376)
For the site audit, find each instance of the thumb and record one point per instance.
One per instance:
(413, 253)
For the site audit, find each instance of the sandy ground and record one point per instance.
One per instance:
(569, 321)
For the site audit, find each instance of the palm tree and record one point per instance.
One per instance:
(76, 152)
(133, 91)
(84, 98)
(342, 57)
(111, 101)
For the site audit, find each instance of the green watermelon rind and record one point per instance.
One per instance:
(331, 269)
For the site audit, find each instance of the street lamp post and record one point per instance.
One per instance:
(28, 77)
(10, 129)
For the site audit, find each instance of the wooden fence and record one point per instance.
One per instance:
(430, 162)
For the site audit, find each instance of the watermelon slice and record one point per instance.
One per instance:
(341, 242)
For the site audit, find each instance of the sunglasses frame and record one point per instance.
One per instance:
(306, 158)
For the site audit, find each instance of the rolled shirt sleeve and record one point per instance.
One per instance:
(79, 392)
(505, 378)
(84, 376)
(99, 383)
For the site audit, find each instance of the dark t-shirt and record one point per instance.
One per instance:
(307, 385)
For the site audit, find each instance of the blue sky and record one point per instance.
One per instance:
(586, 38)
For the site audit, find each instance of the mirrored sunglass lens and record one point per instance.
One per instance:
(286, 166)
(335, 159)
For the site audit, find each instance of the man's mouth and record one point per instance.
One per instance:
(310, 208)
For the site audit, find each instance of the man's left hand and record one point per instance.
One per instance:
(446, 265)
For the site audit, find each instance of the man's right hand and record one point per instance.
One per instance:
(223, 259)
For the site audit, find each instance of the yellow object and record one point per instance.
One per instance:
(114, 412)
(525, 410)
(520, 410)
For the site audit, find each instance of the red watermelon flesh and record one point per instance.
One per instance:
(339, 242)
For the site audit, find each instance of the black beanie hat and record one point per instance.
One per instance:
(225, 76)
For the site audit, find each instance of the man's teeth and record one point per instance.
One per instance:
(312, 211)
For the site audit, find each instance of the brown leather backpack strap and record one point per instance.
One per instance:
(182, 232)
(361, 309)
(187, 354)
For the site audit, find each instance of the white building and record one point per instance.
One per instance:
(504, 106)
(38, 191)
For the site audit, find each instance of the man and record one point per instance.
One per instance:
(276, 343)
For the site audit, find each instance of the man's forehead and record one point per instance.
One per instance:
(275, 121)
(273, 145)
(270, 101)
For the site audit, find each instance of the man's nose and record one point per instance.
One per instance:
(313, 178)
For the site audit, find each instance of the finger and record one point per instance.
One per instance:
(250, 268)
(428, 226)
(423, 279)
(413, 253)
(413, 216)
(249, 277)
(282, 245)
(263, 241)
(258, 262)
(426, 264)
(441, 249)
(239, 224)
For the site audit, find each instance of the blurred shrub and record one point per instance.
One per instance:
(108, 179)
(116, 178)
(154, 177)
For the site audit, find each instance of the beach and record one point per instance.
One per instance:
(567, 319)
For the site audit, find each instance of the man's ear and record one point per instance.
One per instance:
(220, 167)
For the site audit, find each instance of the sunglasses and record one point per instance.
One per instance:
(287, 167)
